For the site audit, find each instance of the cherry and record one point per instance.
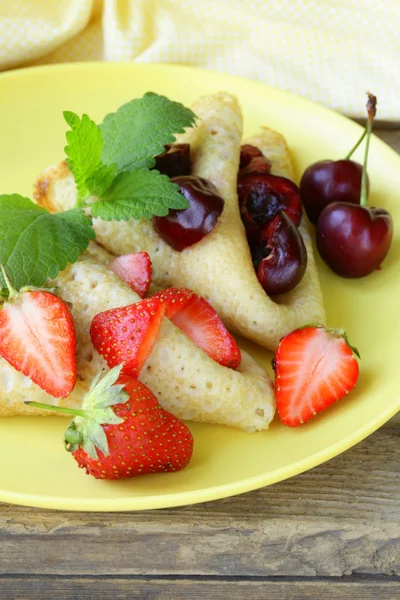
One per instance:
(252, 160)
(262, 196)
(353, 239)
(174, 161)
(329, 181)
(183, 228)
(280, 258)
(247, 153)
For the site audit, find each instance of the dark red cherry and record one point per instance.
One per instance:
(247, 153)
(183, 228)
(353, 240)
(174, 161)
(262, 196)
(252, 160)
(329, 181)
(281, 256)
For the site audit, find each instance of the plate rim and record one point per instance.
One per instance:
(177, 499)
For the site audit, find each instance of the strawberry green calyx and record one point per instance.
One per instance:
(86, 429)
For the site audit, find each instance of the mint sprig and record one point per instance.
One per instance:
(112, 161)
(137, 194)
(139, 130)
(84, 150)
(36, 245)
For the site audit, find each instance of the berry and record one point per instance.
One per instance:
(314, 368)
(128, 334)
(174, 161)
(183, 228)
(201, 323)
(135, 270)
(37, 337)
(280, 257)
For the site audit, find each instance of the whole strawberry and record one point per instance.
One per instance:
(122, 431)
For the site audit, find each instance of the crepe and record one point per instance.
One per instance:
(186, 381)
(219, 267)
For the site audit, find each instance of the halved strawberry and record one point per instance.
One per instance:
(37, 337)
(128, 334)
(201, 323)
(135, 270)
(314, 368)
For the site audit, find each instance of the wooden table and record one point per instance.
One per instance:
(330, 534)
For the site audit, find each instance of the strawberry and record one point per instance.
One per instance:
(37, 337)
(122, 430)
(201, 323)
(128, 334)
(135, 270)
(314, 367)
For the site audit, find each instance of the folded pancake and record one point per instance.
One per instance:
(185, 379)
(219, 267)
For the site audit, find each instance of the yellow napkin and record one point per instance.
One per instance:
(328, 50)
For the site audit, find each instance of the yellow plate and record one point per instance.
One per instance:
(35, 470)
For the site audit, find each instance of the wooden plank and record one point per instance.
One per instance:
(338, 519)
(45, 588)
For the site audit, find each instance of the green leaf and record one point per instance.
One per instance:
(36, 245)
(84, 150)
(140, 129)
(137, 194)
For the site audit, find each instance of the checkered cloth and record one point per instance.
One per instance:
(331, 51)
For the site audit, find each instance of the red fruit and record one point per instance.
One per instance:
(329, 181)
(282, 256)
(122, 431)
(262, 197)
(314, 368)
(175, 161)
(183, 228)
(247, 153)
(200, 322)
(127, 335)
(354, 240)
(252, 160)
(37, 337)
(174, 300)
(135, 270)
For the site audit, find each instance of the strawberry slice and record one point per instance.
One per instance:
(314, 368)
(128, 334)
(174, 300)
(37, 337)
(201, 323)
(135, 270)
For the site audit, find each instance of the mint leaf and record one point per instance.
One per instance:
(140, 129)
(36, 245)
(137, 194)
(84, 150)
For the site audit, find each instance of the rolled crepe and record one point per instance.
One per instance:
(186, 381)
(219, 267)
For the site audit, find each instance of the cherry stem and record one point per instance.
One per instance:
(354, 148)
(12, 292)
(69, 411)
(371, 109)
